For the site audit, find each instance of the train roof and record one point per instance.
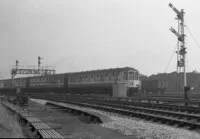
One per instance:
(105, 70)
(81, 72)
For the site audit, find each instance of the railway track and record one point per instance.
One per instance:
(166, 117)
(169, 107)
(174, 96)
(172, 115)
(189, 109)
(149, 99)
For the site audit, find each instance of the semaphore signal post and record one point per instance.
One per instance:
(181, 49)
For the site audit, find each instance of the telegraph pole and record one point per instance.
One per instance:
(181, 50)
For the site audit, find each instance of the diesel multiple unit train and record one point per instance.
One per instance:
(77, 81)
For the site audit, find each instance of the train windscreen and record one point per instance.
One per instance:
(131, 75)
(136, 75)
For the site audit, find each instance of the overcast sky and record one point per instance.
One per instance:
(76, 35)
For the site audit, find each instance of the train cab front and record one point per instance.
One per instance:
(133, 83)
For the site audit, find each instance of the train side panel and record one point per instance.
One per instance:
(51, 81)
(7, 83)
(2, 84)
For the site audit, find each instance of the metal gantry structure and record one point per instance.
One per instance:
(31, 71)
(181, 49)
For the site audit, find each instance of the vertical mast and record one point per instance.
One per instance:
(178, 57)
(181, 49)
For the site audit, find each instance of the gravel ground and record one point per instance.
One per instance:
(137, 127)
(143, 129)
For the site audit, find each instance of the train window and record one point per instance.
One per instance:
(106, 74)
(125, 76)
(136, 76)
(131, 75)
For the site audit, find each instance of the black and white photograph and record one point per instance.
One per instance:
(100, 69)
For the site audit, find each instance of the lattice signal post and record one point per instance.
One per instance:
(181, 49)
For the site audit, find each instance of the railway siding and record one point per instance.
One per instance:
(135, 102)
(38, 128)
(155, 111)
(135, 125)
(167, 117)
(99, 117)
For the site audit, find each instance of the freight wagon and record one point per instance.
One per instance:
(153, 86)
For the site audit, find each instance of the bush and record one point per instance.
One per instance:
(9, 125)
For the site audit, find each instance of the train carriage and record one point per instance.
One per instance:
(19, 83)
(7, 83)
(84, 81)
(154, 86)
(104, 78)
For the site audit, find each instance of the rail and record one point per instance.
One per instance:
(182, 119)
(168, 114)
